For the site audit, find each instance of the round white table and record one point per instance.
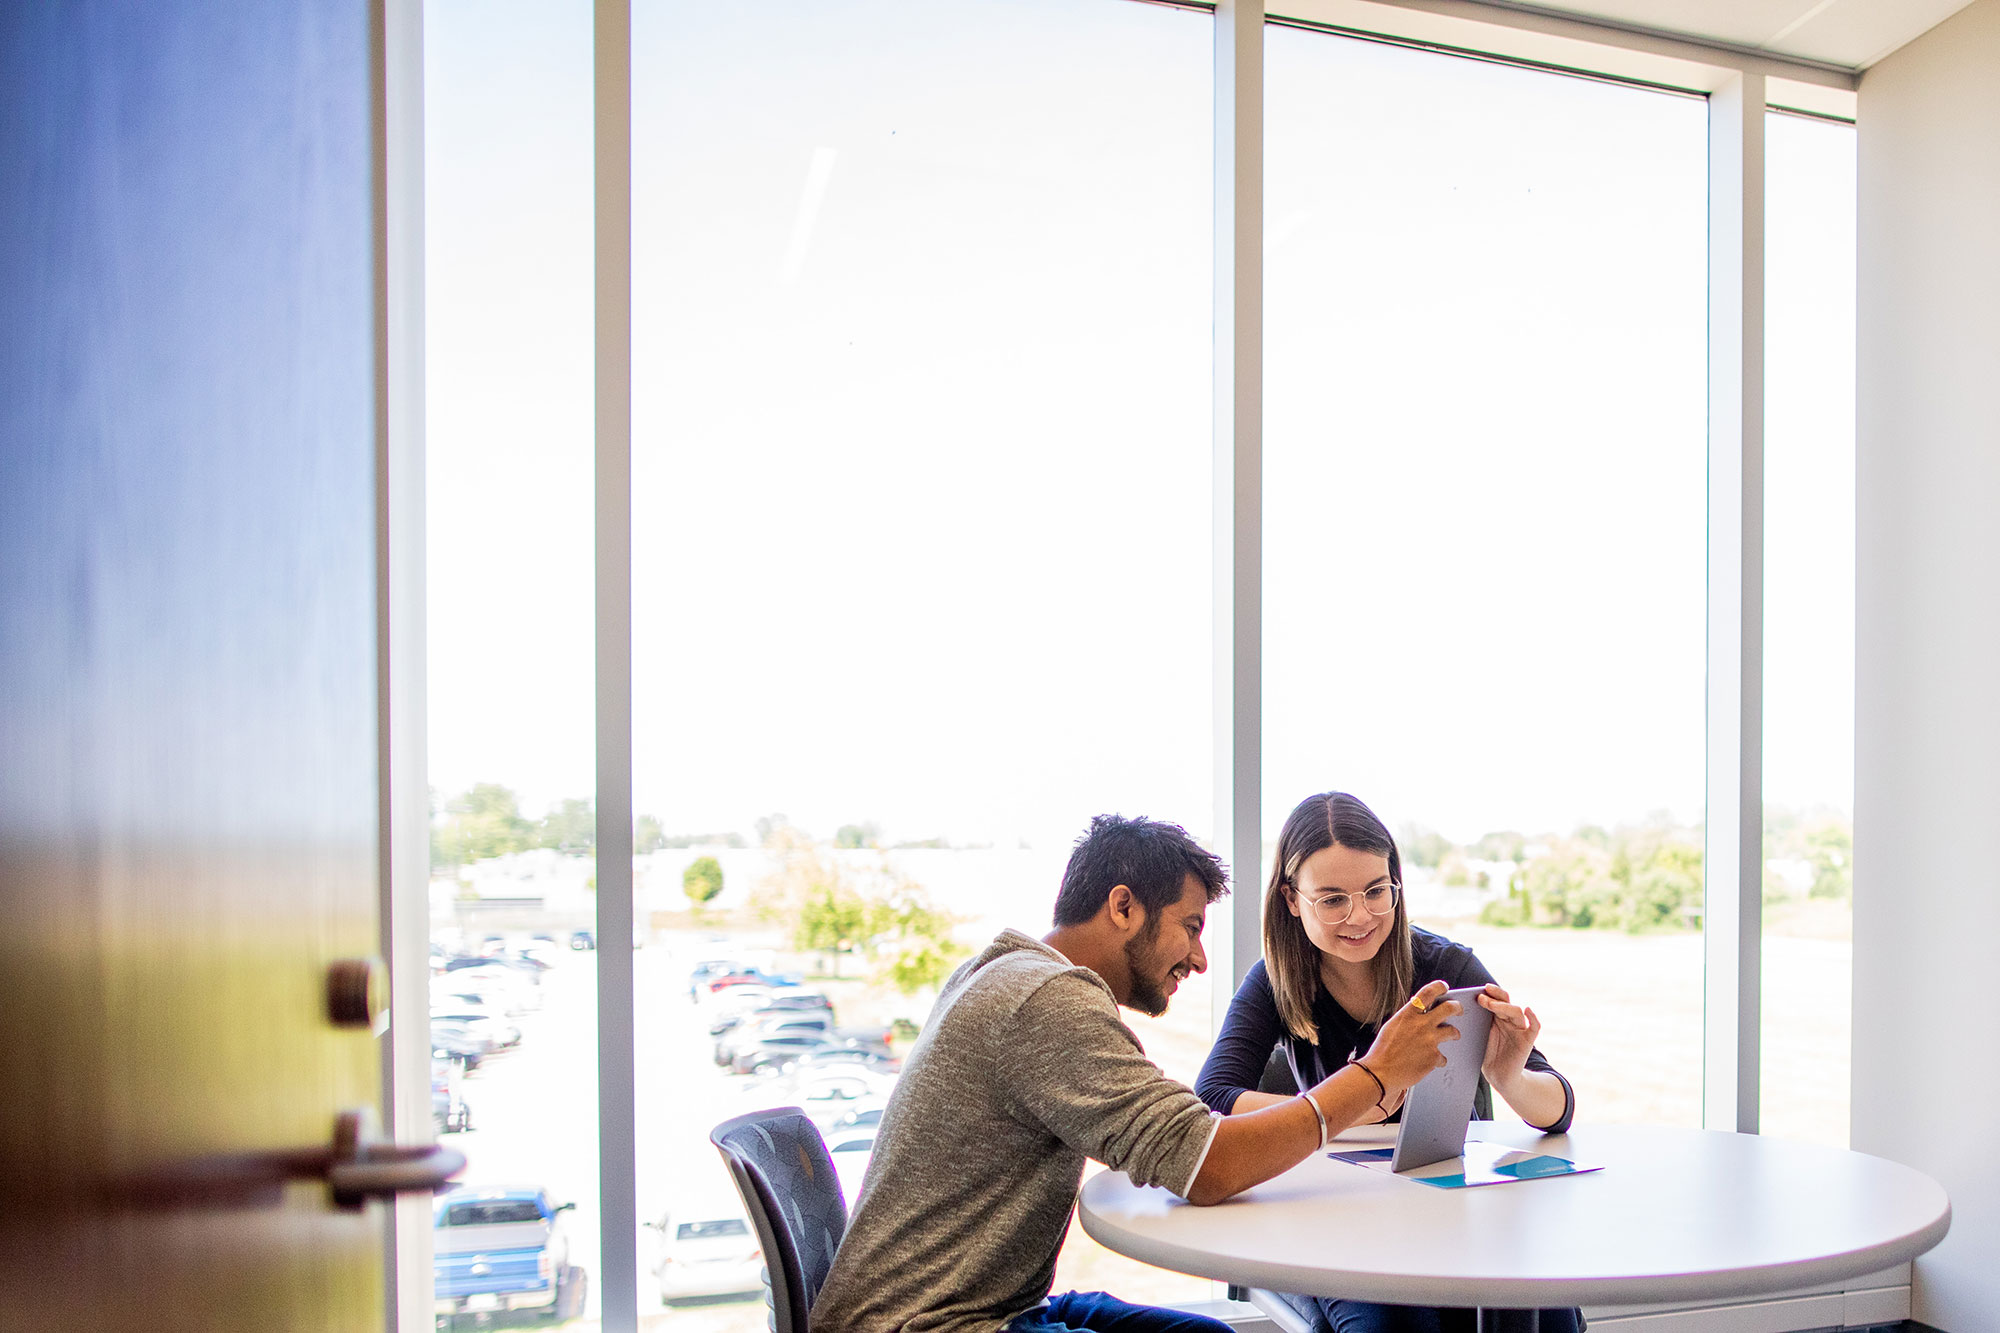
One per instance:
(1676, 1214)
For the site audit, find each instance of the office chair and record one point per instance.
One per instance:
(782, 1170)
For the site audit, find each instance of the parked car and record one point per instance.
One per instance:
(708, 969)
(869, 1057)
(478, 1021)
(715, 986)
(851, 1154)
(764, 1024)
(778, 1052)
(728, 1009)
(516, 970)
(706, 1253)
(827, 1096)
(458, 1041)
(500, 1002)
(799, 999)
(736, 1004)
(582, 939)
(503, 1251)
(861, 1118)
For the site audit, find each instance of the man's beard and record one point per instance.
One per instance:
(1149, 994)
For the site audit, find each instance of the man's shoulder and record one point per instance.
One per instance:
(1016, 967)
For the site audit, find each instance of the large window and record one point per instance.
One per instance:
(921, 503)
(1808, 628)
(1485, 520)
(923, 508)
(513, 1005)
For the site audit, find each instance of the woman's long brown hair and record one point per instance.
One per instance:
(1332, 818)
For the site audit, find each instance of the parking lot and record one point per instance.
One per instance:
(533, 1116)
(1622, 1017)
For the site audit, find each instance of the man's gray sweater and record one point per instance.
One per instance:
(1024, 1071)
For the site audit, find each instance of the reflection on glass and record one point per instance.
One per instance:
(921, 323)
(1484, 504)
(513, 975)
(1808, 626)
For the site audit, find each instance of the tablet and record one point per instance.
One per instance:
(1437, 1110)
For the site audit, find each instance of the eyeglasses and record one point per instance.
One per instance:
(1335, 907)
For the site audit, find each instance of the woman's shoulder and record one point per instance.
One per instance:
(1438, 958)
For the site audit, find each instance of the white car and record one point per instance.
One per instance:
(851, 1153)
(826, 1097)
(706, 1253)
(481, 1021)
(517, 990)
(499, 1003)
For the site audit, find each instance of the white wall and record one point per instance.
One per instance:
(1927, 679)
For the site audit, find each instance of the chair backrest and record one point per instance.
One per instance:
(782, 1169)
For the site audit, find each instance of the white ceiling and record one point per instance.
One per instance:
(1852, 34)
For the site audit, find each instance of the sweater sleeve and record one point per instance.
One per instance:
(1250, 1032)
(1075, 1069)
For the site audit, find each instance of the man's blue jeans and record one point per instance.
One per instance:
(1101, 1313)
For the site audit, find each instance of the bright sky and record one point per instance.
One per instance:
(922, 422)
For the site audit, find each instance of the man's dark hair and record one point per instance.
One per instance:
(1148, 857)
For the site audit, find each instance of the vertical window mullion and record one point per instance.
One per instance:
(404, 843)
(1239, 474)
(1732, 916)
(616, 1082)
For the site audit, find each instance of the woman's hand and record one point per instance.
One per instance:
(1515, 1028)
(1537, 1097)
(1406, 1048)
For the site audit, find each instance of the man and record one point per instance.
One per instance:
(1025, 1069)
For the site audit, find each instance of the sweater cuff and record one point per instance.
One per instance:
(1214, 1125)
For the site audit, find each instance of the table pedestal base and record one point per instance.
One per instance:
(1510, 1321)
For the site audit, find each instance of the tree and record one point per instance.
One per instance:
(881, 915)
(1500, 846)
(924, 949)
(1830, 851)
(1421, 846)
(702, 881)
(569, 827)
(484, 822)
(1634, 879)
(775, 830)
(851, 836)
(833, 921)
(647, 835)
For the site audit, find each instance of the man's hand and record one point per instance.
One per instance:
(1406, 1048)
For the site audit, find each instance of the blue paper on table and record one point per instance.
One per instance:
(1483, 1164)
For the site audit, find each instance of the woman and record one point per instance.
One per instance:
(1340, 957)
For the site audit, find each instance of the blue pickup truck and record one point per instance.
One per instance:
(503, 1254)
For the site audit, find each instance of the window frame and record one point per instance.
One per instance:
(1739, 83)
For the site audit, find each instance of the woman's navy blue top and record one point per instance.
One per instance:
(1253, 1030)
